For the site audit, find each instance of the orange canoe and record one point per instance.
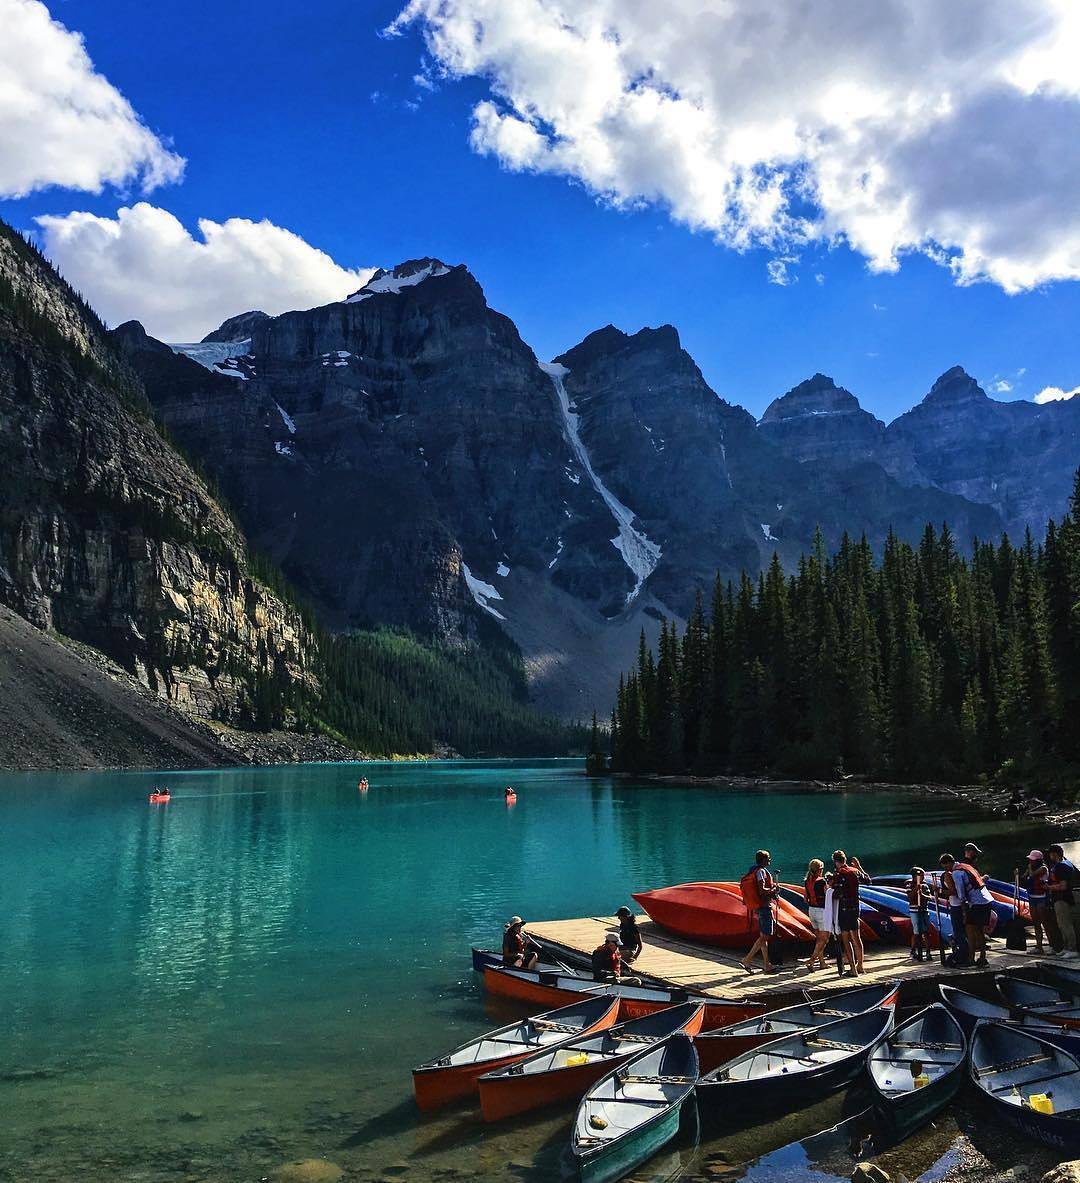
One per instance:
(567, 1071)
(715, 914)
(453, 1077)
(539, 988)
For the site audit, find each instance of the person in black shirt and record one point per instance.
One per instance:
(629, 934)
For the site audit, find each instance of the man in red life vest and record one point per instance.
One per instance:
(759, 892)
(519, 949)
(846, 879)
(607, 960)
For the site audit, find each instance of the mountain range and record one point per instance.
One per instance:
(404, 459)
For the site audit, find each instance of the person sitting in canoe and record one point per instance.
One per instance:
(759, 893)
(629, 934)
(510, 793)
(518, 948)
(607, 960)
(363, 784)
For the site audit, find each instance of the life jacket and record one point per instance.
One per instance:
(751, 888)
(513, 944)
(915, 898)
(606, 959)
(846, 884)
(814, 891)
(972, 874)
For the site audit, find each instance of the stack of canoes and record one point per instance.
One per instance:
(1038, 1000)
(714, 914)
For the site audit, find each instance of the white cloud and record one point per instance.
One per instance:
(61, 122)
(906, 125)
(777, 270)
(819, 279)
(1000, 386)
(1054, 394)
(144, 264)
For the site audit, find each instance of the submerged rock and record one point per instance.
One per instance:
(309, 1170)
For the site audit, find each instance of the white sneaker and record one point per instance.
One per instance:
(1069, 955)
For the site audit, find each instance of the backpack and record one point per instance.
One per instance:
(750, 889)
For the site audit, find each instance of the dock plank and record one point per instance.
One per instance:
(673, 961)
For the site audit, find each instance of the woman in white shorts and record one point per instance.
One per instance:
(814, 889)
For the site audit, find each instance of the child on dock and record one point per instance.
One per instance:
(918, 895)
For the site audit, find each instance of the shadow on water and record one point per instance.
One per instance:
(389, 1124)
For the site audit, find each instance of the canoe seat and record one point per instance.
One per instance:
(835, 1043)
(1023, 1062)
(631, 1079)
(926, 1043)
(639, 1038)
(547, 1025)
(1039, 1080)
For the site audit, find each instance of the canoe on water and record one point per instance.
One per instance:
(1010, 1067)
(626, 1117)
(482, 958)
(567, 1071)
(968, 1010)
(720, 1046)
(540, 989)
(714, 914)
(916, 1071)
(453, 1077)
(1038, 1000)
(794, 1071)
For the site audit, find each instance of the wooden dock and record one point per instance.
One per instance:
(674, 961)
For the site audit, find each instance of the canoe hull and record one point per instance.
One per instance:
(530, 990)
(718, 1103)
(620, 1158)
(714, 914)
(901, 1117)
(507, 1096)
(716, 1051)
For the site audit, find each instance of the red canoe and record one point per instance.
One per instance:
(715, 914)
(453, 1077)
(539, 988)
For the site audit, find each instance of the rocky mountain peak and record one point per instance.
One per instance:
(404, 275)
(609, 341)
(818, 395)
(131, 337)
(956, 385)
(236, 328)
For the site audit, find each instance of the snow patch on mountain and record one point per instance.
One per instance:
(287, 419)
(483, 593)
(639, 552)
(210, 354)
(766, 529)
(404, 275)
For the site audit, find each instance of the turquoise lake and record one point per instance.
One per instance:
(244, 977)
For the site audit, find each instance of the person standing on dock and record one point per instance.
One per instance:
(961, 954)
(846, 879)
(629, 934)
(918, 895)
(814, 889)
(1062, 880)
(976, 902)
(759, 893)
(1036, 882)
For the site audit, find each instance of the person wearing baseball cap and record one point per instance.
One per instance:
(629, 934)
(518, 948)
(1036, 881)
(607, 960)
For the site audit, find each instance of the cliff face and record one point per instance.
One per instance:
(106, 533)
(819, 420)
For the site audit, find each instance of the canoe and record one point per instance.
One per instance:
(627, 1116)
(566, 1072)
(1010, 1065)
(969, 1010)
(482, 958)
(795, 1071)
(902, 1100)
(635, 1002)
(714, 914)
(454, 1076)
(1039, 1000)
(718, 1047)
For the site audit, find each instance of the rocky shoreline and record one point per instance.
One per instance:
(989, 798)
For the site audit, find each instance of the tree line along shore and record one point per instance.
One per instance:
(925, 665)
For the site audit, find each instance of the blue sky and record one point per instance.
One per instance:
(307, 116)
